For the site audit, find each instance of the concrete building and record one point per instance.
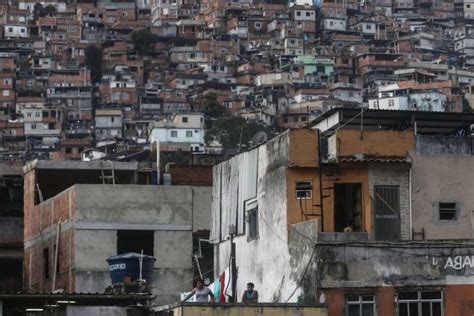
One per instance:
(291, 199)
(184, 131)
(108, 124)
(71, 227)
(11, 227)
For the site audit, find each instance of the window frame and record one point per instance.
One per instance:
(360, 303)
(420, 300)
(251, 219)
(306, 197)
(174, 134)
(456, 209)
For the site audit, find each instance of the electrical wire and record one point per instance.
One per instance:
(303, 275)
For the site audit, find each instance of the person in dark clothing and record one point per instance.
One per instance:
(250, 295)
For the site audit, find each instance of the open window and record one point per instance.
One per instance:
(347, 206)
(135, 241)
(251, 210)
(46, 263)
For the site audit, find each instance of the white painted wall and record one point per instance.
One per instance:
(15, 31)
(177, 135)
(266, 260)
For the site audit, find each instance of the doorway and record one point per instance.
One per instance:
(347, 206)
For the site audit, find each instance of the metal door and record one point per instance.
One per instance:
(387, 212)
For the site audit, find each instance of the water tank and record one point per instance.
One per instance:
(127, 266)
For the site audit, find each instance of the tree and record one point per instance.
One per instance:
(94, 61)
(211, 107)
(39, 11)
(233, 132)
(49, 10)
(142, 40)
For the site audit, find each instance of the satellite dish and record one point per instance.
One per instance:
(259, 138)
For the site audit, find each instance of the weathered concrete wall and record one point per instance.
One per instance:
(134, 204)
(245, 310)
(102, 311)
(202, 200)
(278, 281)
(169, 211)
(375, 264)
(392, 175)
(90, 217)
(439, 145)
(442, 178)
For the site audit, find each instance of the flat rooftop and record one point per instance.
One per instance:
(424, 123)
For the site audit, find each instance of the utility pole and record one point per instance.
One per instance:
(233, 265)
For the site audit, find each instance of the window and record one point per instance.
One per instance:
(420, 303)
(252, 219)
(6, 93)
(189, 134)
(174, 134)
(391, 102)
(33, 126)
(308, 13)
(184, 119)
(304, 190)
(51, 126)
(112, 119)
(135, 241)
(46, 263)
(298, 13)
(357, 305)
(45, 114)
(10, 29)
(447, 211)
(28, 114)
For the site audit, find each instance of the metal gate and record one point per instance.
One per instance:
(387, 212)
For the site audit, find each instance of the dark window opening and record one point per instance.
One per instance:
(252, 219)
(185, 119)
(46, 263)
(348, 206)
(68, 150)
(135, 241)
(448, 212)
(420, 303)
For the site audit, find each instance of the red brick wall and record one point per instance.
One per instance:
(459, 300)
(40, 229)
(384, 300)
(191, 175)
